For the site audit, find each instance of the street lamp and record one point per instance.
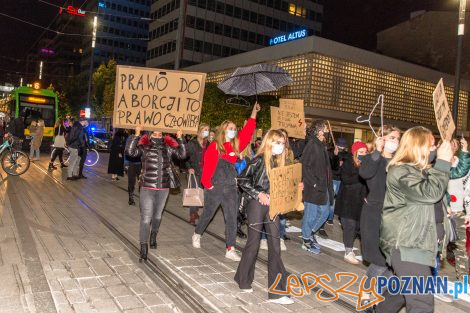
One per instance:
(93, 41)
(460, 33)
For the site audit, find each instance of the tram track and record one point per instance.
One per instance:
(185, 298)
(152, 264)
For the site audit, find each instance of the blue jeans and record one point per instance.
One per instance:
(282, 228)
(314, 217)
(336, 184)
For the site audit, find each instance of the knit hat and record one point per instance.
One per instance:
(357, 145)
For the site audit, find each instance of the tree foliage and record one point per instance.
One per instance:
(215, 109)
(103, 89)
(64, 103)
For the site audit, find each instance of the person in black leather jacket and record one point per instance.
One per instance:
(75, 142)
(158, 176)
(254, 181)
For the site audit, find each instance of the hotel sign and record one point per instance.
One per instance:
(288, 37)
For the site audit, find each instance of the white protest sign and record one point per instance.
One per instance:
(445, 122)
(157, 99)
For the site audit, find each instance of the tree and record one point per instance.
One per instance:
(215, 109)
(103, 89)
(72, 96)
(64, 104)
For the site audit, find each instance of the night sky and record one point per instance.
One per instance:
(354, 22)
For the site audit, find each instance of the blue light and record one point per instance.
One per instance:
(288, 37)
(102, 5)
(93, 129)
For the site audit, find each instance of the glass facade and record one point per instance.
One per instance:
(331, 83)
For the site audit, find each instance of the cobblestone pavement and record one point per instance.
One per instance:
(56, 255)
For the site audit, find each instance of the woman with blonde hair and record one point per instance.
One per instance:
(408, 236)
(255, 182)
(195, 150)
(219, 179)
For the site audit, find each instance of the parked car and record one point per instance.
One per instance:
(100, 139)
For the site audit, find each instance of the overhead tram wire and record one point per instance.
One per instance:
(70, 34)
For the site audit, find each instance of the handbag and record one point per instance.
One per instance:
(59, 140)
(193, 196)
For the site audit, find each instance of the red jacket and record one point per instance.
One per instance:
(211, 157)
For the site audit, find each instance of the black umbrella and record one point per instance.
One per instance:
(252, 80)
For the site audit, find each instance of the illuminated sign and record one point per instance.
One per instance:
(73, 11)
(36, 100)
(36, 85)
(87, 112)
(102, 5)
(82, 113)
(46, 51)
(288, 37)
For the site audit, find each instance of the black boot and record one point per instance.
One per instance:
(131, 199)
(143, 252)
(153, 240)
(51, 167)
(240, 232)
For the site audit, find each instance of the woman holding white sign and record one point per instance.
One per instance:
(219, 178)
(157, 177)
(255, 182)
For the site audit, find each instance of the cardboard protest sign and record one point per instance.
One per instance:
(284, 192)
(445, 122)
(293, 105)
(157, 99)
(292, 120)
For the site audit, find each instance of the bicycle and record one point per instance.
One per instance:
(14, 162)
(92, 157)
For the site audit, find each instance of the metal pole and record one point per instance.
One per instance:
(180, 34)
(93, 41)
(460, 33)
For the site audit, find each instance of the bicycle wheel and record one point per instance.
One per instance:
(15, 163)
(92, 158)
(65, 156)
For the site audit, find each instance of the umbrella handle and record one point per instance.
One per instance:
(256, 89)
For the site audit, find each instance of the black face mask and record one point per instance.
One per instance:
(432, 156)
(156, 141)
(361, 157)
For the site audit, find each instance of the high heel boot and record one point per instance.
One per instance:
(143, 252)
(153, 240)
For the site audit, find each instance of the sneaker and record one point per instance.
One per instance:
(283, 245)
(232, 255)
(315, 242)
(444, 297)
(196, 241)
(249, 290)
(282, 300)
(322, 233)
(263, 244)
(330, 222)
(351, 258)
(310, 247)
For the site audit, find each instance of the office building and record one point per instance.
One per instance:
(215, 29)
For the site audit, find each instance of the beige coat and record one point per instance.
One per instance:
(37, 133)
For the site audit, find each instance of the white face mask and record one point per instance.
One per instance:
(278, 148)
(205, 134)
(390, 146)
(231, 134)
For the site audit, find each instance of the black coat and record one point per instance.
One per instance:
(317, 175)
(16, 127)
(157, 166)
(116, 155)
(374, 171)
(194, 152)
(352, 192)
(254, 179)
(75, 137)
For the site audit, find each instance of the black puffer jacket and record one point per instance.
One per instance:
(157, 168)
(254, 178)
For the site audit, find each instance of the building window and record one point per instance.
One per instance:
(297, 10)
